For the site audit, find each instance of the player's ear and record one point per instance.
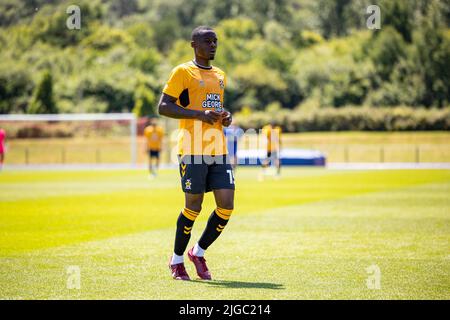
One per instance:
(193, 44)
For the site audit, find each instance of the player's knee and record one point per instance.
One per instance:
(194, 202)
(194, 205)
(227, 204)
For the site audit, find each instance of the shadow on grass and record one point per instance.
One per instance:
(241, 284)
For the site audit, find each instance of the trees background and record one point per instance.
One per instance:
(278, 54)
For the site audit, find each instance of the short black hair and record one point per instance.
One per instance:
(198, 31)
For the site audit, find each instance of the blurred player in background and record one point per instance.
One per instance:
(154, 135)
(233, 133)
(194, 94)
(272, 134)
(2, 147)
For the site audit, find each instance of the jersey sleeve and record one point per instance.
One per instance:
(176, 83)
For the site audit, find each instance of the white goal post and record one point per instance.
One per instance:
(131, 117)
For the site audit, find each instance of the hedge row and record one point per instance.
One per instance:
(351, 119)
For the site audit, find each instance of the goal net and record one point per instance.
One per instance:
(92, 138)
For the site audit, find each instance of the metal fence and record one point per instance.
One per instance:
(385, 153)
(120, 153)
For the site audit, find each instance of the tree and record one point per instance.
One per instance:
(276, 33)
(142, 34)
(332, 17)
(11, 11)
(49, 24)
(256, 80)
(146, 60)
(144, 104)
(16, 87)
(399, 15)
(386, 50)
(105, 38)
(121, 8)
(432, 54)
(118, 97)
(43, 100)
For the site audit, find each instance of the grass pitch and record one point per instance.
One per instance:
(310, 235)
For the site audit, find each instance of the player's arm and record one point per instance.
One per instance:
(167, 107)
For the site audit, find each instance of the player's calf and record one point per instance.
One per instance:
(185, 223)
(184, 227)
(216, 224)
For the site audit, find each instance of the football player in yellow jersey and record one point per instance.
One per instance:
(272, 133)
(194, 94)
(154, 135)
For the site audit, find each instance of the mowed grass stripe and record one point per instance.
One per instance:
(317, 250)
(39, 223)
(20, 185)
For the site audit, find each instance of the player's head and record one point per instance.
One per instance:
(204, 42)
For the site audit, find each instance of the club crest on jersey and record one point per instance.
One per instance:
(222, 86)
(187, 184)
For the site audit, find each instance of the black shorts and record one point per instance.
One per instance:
(153, 153)
(203, 174)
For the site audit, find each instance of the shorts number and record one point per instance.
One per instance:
(230, 173)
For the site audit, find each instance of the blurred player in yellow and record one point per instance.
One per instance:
(154, 135)
(272, 135)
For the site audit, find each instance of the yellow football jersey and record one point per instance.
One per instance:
(273, 135)
(198, 88)
(154, 135)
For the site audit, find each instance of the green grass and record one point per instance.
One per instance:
(338, 146)
(309, 235)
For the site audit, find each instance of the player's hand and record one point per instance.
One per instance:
(226, 118)
(209, 116)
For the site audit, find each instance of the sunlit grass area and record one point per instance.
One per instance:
(312, 234)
